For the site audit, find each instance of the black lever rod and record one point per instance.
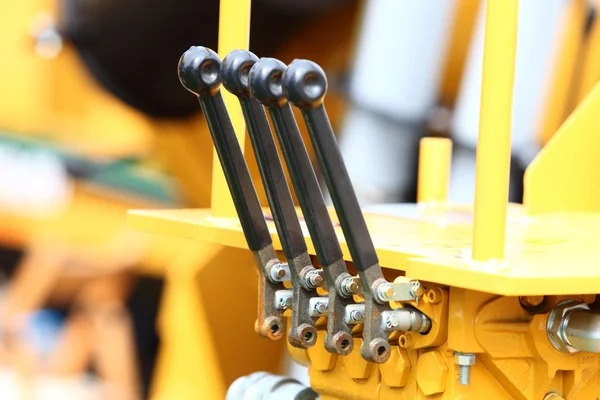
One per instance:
(339, 282)
(305, 84)
(199, 73)
(234, 75)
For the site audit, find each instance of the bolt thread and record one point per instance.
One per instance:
(464, 375)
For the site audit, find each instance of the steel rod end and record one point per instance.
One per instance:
(341, 343)
(303, 337)
(377, 350)
(235, 70)
(198, 70)
(265, 81)
(271, 327)
(305, 84)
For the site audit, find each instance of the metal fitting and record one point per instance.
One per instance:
(385, 292)
(573, 327)
(553, 396)
(350, 286)
(464, 362)
(405, 319)
(409, 290)
(416, 289)
(531, 301)
(279, 272)
(283, 299)
(314, 278)
(318, 306)
(354, 314)
(266, 386)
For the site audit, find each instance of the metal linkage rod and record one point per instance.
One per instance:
(199, 73)
(305, 278)
(340, 284)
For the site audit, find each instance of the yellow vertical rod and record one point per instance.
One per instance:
(234, 33)
(435, 157)
(494, 145)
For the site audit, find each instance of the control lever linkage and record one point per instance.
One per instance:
(304, 84)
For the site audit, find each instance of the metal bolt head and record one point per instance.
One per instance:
(350, 285)
(392, 322)
(356, 315)
(315, 278)
(279, 272)
(385, 291)
(531, 301)
(320, 308)
(555, 326)
(464, 359)
(285, 302)
(416, 289)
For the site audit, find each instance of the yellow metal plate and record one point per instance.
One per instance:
(548, 254)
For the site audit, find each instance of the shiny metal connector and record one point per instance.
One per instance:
(279, 272)
(405, 319)
(283, 299)
(399, 291)
(355, 314)
(318, 306)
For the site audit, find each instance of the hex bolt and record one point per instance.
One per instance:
(531, 301)
(320, 308)
(314, 278)
(278, 272)
(356, 315)
(464, 362)
(349, 286)
(385, 292)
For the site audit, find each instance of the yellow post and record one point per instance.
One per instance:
(435, 157)
(493, 147)
(234, 33)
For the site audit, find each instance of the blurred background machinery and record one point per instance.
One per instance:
(94, 122)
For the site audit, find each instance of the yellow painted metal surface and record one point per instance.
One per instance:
(201, 352)
(549, 249)
(234, 33)
(493, 146)
(590, 68)
(433, 243)
(563, 176)
(463, 23)
(435, 157)
(561, 88)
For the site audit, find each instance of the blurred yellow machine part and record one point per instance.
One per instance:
(492, 272)
(52, 98)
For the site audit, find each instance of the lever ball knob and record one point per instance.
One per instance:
(304, 84)
(198, 70)
(265, 81)
(235, 71)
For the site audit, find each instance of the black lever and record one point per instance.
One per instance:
(264, 87)
(199, 73)
(305, 85)
(305, 278)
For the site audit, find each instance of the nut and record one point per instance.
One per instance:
(385, 292)
(314, 278)
(350, 285)
(464, 359)
(531, 301)
(555, 325)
